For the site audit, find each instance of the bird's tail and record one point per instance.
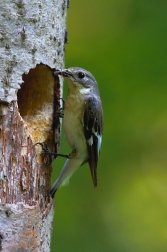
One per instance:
(70, 166)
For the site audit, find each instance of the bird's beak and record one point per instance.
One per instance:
(63, 72)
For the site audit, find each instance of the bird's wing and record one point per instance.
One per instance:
(93, 127)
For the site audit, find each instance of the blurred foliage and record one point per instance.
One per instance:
(124, 44)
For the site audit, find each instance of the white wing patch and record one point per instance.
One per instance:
(99, 143)
(90, 141)
(99, 140)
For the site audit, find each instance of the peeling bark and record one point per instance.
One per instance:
(31, 47)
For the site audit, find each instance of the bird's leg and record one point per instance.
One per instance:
(72, 154)
(46, 151)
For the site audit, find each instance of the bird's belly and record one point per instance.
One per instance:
(73, 129)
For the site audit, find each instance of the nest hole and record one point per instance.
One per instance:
(35, 91)
(38, 99)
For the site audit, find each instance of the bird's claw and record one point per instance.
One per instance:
(43, 145)
(51, 155)
(60, 111)
(46, 154)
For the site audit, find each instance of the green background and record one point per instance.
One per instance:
(123, 43)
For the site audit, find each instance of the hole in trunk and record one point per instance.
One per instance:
(38, 99)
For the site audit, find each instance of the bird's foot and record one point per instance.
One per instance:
(51, 155)
(46, 155)
(60, 112)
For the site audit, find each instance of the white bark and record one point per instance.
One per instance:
(32, 35)
(31, 32)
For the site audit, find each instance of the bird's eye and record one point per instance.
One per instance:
(81, 75)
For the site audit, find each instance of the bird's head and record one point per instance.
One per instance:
(79, 79)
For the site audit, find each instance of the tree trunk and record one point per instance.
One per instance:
(32, 37)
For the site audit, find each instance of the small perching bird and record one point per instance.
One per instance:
(83, 123)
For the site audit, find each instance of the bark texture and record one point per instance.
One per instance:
(32, 38)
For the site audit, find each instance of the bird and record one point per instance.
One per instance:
(83, 124)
